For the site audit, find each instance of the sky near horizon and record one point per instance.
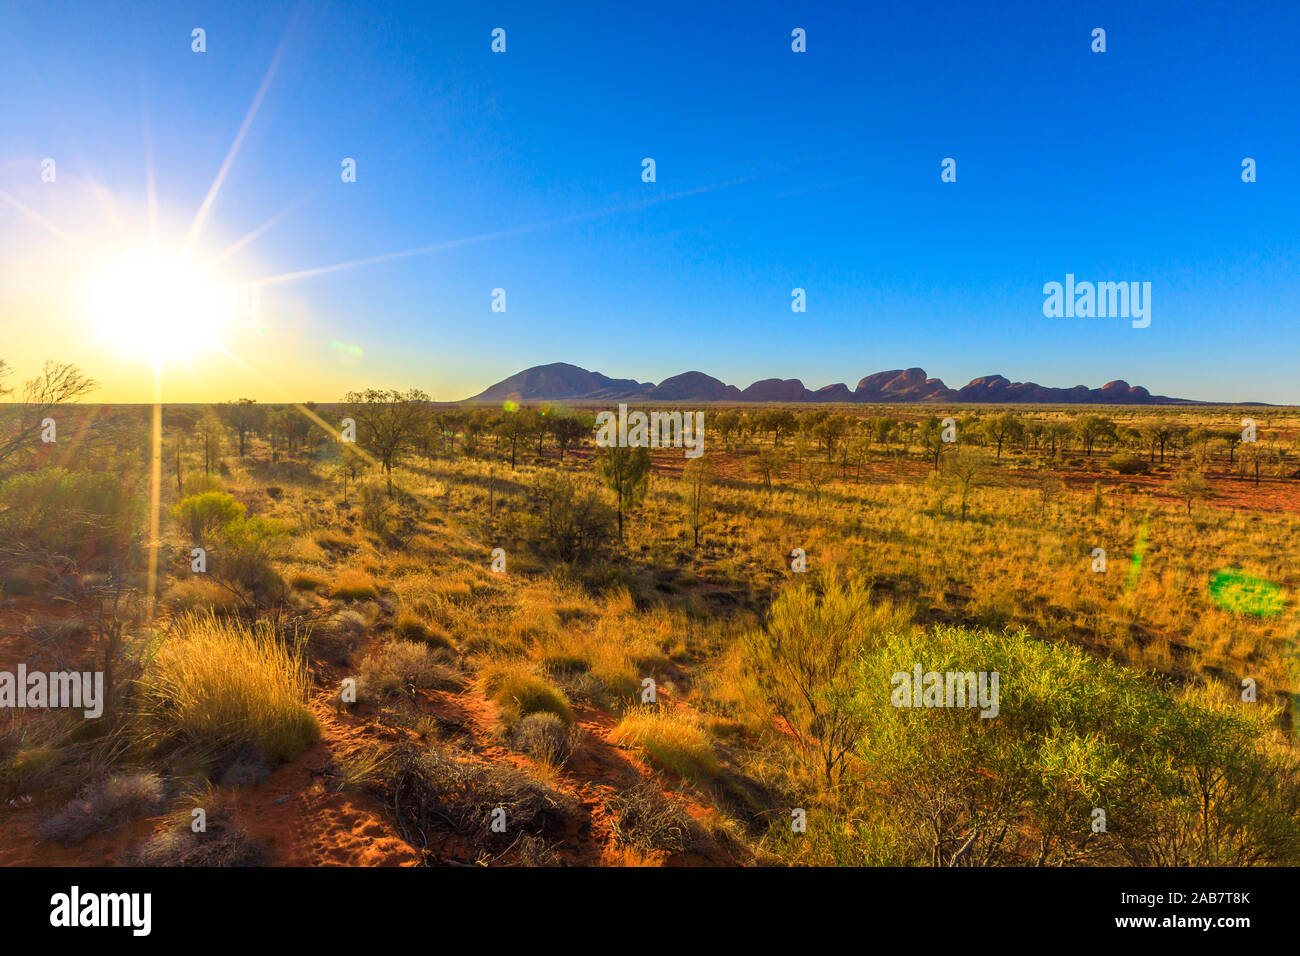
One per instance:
(775, 170)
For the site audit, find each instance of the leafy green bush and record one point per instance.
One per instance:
(1183, 779)
(245, 547)
(1128, 464)
(204, 514)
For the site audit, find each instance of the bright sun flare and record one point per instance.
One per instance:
(157, 305)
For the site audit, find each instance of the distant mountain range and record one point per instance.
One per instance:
(560, 381)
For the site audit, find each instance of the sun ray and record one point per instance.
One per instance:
(150, 186)
(238, 244)
(499, 234)
(155, 497)
(200, 218)
(37, 218)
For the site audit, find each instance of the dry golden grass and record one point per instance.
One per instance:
(353, 585)
(214, 683)
(672, 739)
(518, 693)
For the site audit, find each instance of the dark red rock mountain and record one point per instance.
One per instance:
(568, 383)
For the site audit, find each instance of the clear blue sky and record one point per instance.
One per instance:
(775, 170)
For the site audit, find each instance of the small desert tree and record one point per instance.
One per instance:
(568, 431)
(516, 426)
(210, 433)
(1188, 485)
(930, 436)
(1092, 429)
(243, 417)
(767, 464)
(697, 477)
(801, 667)
(1003, 428)
(966, 474)
(387, 421)
(626, 472)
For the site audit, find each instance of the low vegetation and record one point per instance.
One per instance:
(637, 657)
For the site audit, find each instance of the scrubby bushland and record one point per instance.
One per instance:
(57, 384)
(89, 518)
(213, 683)
(1184, 779)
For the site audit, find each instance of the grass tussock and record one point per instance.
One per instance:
(220, 841)
(213, 683)
(672, 740)
(434, 789)
(409, 627)
(354, 585)
(545, 737)
(519, 692)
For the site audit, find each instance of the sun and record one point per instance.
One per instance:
(158, 305)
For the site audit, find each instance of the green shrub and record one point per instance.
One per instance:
(202, 515)
(1184, 779)
(245, 547)
(1127, 464)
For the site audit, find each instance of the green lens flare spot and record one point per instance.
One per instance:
(1135, 563)
(1243, 593)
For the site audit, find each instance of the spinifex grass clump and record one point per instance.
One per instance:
(519, 693)
(215, 682)
(670, 739)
